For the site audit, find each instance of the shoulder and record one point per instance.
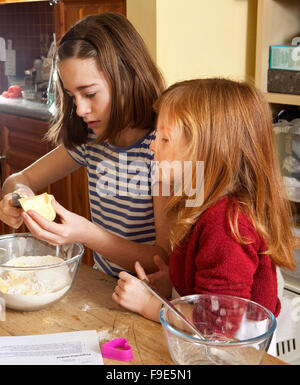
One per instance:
(214, 223)
(144, 142)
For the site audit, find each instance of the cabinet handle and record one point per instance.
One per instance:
(54, 2)
(2, 157)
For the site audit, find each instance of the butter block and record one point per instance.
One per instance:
(41, 204)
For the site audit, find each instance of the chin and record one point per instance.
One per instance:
(97, 131)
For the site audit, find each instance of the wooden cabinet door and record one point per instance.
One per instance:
(21, 143)
(68, 12)
(24, 141)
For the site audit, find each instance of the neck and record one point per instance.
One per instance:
(129, 136)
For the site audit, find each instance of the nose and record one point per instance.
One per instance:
(153, 146)
(83, 107)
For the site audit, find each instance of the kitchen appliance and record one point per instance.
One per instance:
(286, 130)
(288, 330)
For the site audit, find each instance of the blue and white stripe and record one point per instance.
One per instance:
(119, 191)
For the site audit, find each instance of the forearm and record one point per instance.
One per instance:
(16, 182)
(152, 310)
(50, 168)
(122, 251)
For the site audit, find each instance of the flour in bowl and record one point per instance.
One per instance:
(33, 289)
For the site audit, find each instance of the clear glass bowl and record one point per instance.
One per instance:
(236, 331)
(28, 278)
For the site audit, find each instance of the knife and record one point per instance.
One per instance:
(15, 200)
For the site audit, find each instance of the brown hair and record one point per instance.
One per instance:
(229, 126)
(122, 56)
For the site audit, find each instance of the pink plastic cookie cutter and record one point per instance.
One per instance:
(117, 349)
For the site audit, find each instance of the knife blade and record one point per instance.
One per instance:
(15, 200)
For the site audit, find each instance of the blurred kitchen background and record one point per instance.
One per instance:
(28, 29)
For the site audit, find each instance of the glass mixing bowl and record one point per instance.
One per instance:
(35, 274)
(236, 331)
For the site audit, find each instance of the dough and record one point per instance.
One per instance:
(34, 289)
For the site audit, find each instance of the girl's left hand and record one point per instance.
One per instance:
(71, 229)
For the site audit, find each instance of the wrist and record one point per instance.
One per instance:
(152, 308)
(89, 234)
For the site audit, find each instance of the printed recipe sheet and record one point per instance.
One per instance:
(72, 348)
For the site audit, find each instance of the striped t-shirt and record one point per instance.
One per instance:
(119, 181)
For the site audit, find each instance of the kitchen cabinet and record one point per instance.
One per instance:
(21, 1)
(21, 143)
(278, 21)
(67, 12)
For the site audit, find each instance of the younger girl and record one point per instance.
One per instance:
(232, 242)
(107, 86)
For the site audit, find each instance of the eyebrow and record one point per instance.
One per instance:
(80, 88)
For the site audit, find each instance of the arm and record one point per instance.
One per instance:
(51, 167)
(48, 169)
(110, 245)
(132, 295)
(74, 228)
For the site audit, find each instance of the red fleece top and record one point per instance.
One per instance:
(212, 261)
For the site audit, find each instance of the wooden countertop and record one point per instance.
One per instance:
(88, 306)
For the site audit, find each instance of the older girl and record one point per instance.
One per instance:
(107, 85)
(233, 241)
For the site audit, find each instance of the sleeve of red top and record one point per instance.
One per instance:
(223, 265)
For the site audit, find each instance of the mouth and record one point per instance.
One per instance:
(93, 123)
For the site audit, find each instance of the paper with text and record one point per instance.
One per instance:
(72, 348)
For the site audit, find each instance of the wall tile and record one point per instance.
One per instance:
(24, 23)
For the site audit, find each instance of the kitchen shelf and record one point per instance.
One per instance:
(283, 98)
(278, 21)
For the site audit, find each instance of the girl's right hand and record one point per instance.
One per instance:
(130, 293)
(9, 214)
(12, 215)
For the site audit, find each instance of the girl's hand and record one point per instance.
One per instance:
(161, 279)
(10, 215)
(130, 293)
(71, 229)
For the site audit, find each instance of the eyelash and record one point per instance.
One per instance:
(89, 96)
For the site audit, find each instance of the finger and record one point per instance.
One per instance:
(124, 276)
(140, 271)
(59, 209)
(38, 231)
(160, 263)
(118, 291)
(50, 226)
(121, 283)
(13, 211)
(115, 297)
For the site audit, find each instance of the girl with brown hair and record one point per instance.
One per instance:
(232, 242)
(107, 84)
